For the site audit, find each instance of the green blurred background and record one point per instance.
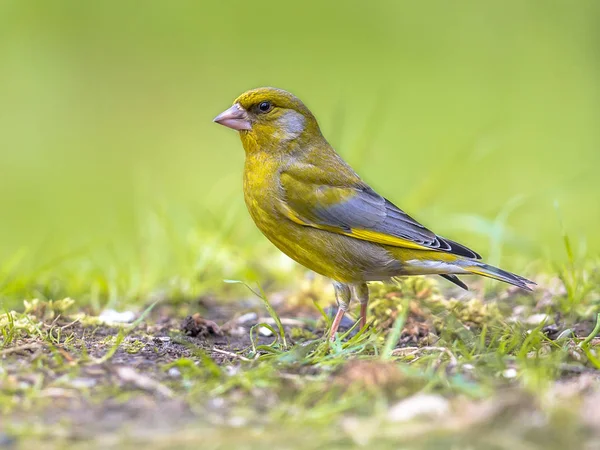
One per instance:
(475, 117)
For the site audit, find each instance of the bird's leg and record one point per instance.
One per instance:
(342, 296)
(360, 292)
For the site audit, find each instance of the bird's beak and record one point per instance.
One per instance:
(235, 117)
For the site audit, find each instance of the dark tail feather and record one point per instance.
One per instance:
(497, 274)
(454, 279)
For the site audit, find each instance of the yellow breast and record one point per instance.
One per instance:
(261, 190)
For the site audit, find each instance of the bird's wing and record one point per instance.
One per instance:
(356, 210)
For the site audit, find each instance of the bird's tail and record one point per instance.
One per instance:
(479, 268)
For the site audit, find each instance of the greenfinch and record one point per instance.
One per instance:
(310, 203)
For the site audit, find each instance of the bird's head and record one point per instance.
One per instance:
(270, 119)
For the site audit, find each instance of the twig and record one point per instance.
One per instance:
(65, 354)
(284, 321)
(18, 348)
(58, 392)
(297, 378)
(405, 351)
(141, 381)
(409, 351)
(233, 355)
(54, 321)
(70, 324)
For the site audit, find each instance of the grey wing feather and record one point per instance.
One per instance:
(370, 211)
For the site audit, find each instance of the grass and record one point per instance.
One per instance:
(118, 192)
(488, 360)
(487, 365)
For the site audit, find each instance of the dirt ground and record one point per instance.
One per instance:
(97, 399)
(193, 380)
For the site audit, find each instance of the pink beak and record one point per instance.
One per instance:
(235, 117)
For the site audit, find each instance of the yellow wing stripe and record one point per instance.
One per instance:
(294, 217)
(365, 235)
(385, 239)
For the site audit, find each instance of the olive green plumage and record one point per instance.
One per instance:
(311, 204)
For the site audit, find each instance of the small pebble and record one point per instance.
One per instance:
(248, 317)
(113, 316)
(83, 383)
(174, 372)
(536, 319)
(419, 405)
(238, 331)
(237, 421)
(232, 370)
(265, 331)
(217, 403)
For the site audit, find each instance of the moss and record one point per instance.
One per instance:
(302, 334)
(47, 310)
(472, 313)
(133, 346)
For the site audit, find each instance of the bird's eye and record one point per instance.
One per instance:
(264, 106)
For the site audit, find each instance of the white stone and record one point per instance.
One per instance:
(265, 331)
(174, 372)
(248, 317)
(428, 405)
(112, 316)
(537, 319)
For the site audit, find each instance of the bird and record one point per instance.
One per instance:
(315, 208)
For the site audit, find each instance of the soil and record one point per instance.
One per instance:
(100, 397)
(86, 391)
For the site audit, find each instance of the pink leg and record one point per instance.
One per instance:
(361, 293)
(336, 323)
(342, 296)
(363, 315)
